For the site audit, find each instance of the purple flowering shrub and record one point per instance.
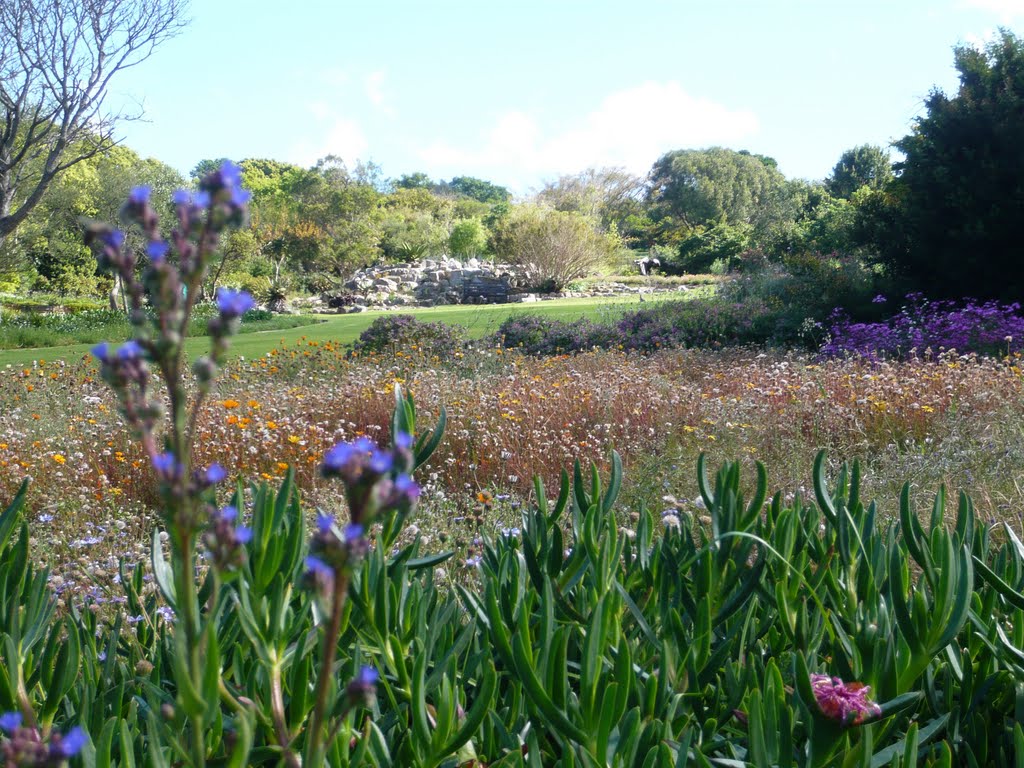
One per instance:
(984, 328)
(404, 333)
(678, 324)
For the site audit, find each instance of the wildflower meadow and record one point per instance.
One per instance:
(427, 552)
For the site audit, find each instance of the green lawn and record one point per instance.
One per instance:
(478, 320)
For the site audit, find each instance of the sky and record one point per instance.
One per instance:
(522, 92)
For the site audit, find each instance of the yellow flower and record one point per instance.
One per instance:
(58, 458)
(229, 404)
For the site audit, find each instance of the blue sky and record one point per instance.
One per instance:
(521, 92)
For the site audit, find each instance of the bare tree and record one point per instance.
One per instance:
(57, 58)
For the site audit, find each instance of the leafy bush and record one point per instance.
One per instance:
(988, 328)
(670, 324)
(391, 333)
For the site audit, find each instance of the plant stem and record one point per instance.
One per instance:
(315, 750)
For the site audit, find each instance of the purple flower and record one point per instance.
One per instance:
(847, 703)
(879, 299)
(156, 250)
(201, 199)
(139, 195)
(232, 303)
(407, 487)
(324, 522)
(214, 474)
(318, 567)
(243, 534)
(354, 531)
(101, 352)
(130, 350)
(181, 197)
(230, 174)
(166, 465)
(72, 742)
(10, 721)
(229, 513)
(381, 462)
(403, 441)
(363, 688)
(240, 197)
(114, 238)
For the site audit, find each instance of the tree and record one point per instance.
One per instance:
(554, 247)
(468, 238)
(478, 189)
(950, 223)
(864, 166)
(692, 187)
(613, 196)
(57, 60)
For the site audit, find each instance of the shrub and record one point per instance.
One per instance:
(404, 333)
(988, 328)
(553, 247)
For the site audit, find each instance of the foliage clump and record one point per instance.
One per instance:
(393, 333)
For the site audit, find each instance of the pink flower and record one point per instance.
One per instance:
(846, 702)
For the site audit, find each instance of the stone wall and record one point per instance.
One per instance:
(434, 282)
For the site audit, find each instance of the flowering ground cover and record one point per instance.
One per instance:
(953, 420)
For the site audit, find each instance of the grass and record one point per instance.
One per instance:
(479, 320)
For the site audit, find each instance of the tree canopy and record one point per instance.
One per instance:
(706, 186)
(950, 223)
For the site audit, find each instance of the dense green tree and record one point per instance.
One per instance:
(693, 187)
(864, 166)
(418, 180)
(950, 224)
(707, 245)
(480, 190)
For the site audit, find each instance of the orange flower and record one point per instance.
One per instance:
(59, 458)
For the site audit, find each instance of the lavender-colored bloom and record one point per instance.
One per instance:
(73, 741)
(847, 703)
(157, 249)
(139, 195)
(229, 513)
(232, 303)
(381, 462)
(407, 487)
(130, 350)
(9, 721)
(101, 352)
(338, 458)
(324, 522)
(403, 441)
(114, 238)
(354, 531)
(879, 299)
(201, 199)
(214, 474)
(181, 197)
(240, 197)
(363, 687)
(318, 567)
(165, 464)
(243, 534)
(230, 174)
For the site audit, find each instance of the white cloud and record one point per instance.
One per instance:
(1006, 10)
(341, 136)
(629, 128)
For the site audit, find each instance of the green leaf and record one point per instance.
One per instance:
(162, 573)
